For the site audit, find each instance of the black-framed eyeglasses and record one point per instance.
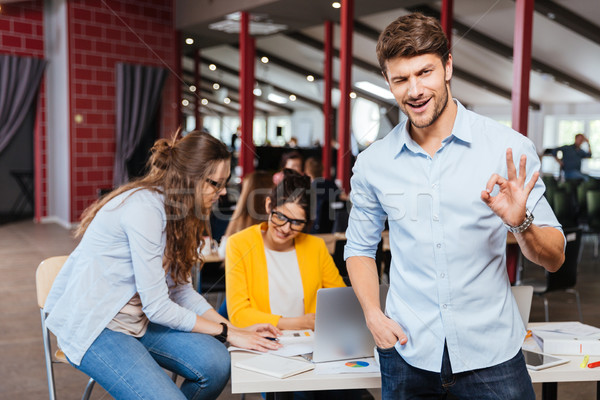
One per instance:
(281, 219)
(217, 185)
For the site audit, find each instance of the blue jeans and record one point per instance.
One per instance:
(401, 381)
(130, 368)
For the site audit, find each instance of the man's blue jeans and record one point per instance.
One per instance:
(130, 368)
(401, 381)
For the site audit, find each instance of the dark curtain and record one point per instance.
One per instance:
(138, 95)
(20, 79)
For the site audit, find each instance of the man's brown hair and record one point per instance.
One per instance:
(412, 35)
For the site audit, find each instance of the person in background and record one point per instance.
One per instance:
(447, 183)
(325, 192)
(290, 160)
(572, 154)
(123, 307)
(274, 269)
(250, 207)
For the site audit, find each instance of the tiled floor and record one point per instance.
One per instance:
(22, 371)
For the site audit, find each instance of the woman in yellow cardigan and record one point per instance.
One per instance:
(274, 269)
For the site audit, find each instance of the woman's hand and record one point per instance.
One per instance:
(273, 331)
(252, 340)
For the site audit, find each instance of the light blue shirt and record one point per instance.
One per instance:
(120, 254)
(448, 278)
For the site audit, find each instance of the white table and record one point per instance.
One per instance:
(570, 372)
(243, 381)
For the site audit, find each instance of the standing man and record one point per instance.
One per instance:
(572, 154)
(449, 187)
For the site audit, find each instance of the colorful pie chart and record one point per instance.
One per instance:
(357, 364)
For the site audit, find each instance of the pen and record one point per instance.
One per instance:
(594, 364)
(272, 338)
(584, 363)
(528, 334)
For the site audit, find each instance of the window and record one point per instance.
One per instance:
(365, 121)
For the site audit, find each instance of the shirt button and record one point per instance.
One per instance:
(444, 306)
(434, 186)
(435, 217)
(439, 245)
(442, 275)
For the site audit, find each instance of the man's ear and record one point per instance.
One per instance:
(448, 68)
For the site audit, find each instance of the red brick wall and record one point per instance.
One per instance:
(22, 34)
(100, 35)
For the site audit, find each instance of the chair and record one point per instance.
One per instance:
(338, 259)
(593, 216)
(564, 208)
(566, 277)
(44, 278)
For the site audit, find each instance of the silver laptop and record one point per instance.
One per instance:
(340, 328)
(523, 296)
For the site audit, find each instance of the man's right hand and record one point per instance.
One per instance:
(385, 331)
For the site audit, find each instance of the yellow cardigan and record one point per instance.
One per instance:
(247, 279)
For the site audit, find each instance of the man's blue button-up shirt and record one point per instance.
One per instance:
(448, 279)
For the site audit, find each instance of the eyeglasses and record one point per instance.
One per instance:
(217, 185)
(280, 219)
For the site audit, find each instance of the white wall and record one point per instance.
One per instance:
(57, 112)
(308, 126)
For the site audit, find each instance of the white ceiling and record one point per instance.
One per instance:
(553, 44)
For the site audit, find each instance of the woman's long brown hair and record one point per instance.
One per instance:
(250, 207)
(178, 169)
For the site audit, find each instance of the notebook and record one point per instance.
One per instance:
(275, 366)
(340, 328)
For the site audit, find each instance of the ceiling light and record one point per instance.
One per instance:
(212, 67)
(216, 86)
(375, 89)
(336, 4)
(192, 88)
(352, 95)
(189, 41)
(275, 98)
(264, 60)
(551, 15)
(226, 100)
(204, 102)
(185, 102)
(257, 91)
(310, 78)
(292, 97)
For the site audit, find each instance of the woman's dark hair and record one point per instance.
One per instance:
(250, 208)
(293, 188)
(177, 168)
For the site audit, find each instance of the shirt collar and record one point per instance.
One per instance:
(460, 130)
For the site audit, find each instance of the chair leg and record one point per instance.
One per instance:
(48, 358)
(596, 245)
(546, 313)
(88, 389)
(576, 293)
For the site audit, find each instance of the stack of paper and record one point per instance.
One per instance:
(278, 367)
(568, 338)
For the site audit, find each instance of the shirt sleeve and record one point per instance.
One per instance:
(186, 296)
(238, 270)
(144, 226)
(367, 217)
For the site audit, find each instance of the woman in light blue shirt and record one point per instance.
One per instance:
(123, 307)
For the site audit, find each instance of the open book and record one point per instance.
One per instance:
(275, 366)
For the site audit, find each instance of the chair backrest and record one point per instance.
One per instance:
(44, 276)
(593, 209)
(564, 208)
(566, 276)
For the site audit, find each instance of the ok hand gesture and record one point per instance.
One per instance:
(510, 202)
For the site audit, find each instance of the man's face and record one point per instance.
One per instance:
(578, 140)
(419, 84)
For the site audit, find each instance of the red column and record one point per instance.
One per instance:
(446, 19)
(38, 173)
(178, 74)
(327, 110)
(521, 64)
(343, 134)
(196, 94)
(246, 159)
